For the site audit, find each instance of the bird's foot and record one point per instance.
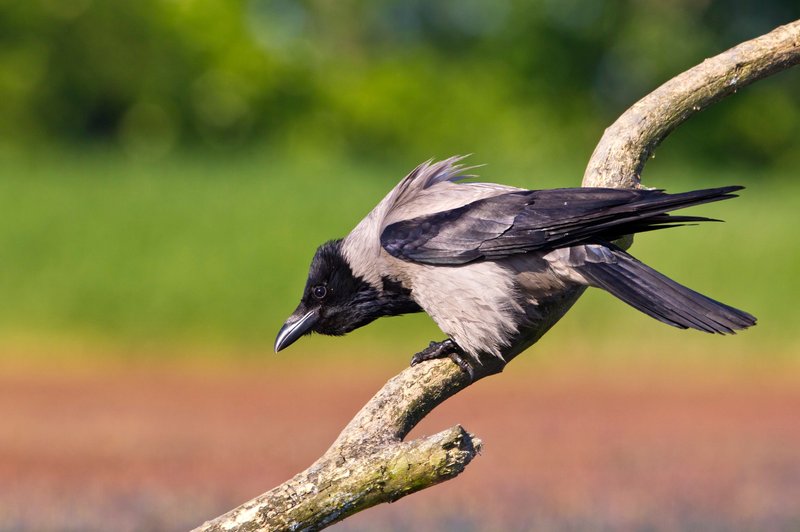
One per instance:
(445, 349)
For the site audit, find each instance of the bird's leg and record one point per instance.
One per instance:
(445, 349)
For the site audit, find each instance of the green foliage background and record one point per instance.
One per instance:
(384, 78)
(170, 165)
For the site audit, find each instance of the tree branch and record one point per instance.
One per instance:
(369, 463)
(620, 156)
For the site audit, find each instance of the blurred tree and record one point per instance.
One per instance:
(381, 76)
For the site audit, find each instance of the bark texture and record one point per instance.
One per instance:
(369, 463)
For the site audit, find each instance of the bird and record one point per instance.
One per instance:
(487, 262)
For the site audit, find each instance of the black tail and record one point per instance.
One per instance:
(662, 298)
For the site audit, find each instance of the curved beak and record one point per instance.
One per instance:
(295, 327)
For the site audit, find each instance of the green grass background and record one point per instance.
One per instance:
(212, 249)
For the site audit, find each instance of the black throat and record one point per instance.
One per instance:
(396, 299)
(393, 299)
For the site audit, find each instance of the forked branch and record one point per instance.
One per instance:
(369, 463)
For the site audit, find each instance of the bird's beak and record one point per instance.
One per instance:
(295, 327)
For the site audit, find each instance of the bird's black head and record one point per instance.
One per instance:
(335, 301)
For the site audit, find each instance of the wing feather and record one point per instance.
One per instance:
(532, 220)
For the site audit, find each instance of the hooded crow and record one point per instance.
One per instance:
(488, 262)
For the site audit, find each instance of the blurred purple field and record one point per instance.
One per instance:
(157, 446)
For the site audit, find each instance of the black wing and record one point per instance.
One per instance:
(533, 220)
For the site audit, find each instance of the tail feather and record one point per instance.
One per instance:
(662, 298)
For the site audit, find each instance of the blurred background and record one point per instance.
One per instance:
(168, 167)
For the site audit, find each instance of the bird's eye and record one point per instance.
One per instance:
(319, 291)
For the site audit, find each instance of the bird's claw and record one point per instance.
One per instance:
(449, 349)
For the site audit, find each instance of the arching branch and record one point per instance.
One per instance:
(369, 463)
(627, 144)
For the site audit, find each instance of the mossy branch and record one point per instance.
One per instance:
(369, 463)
